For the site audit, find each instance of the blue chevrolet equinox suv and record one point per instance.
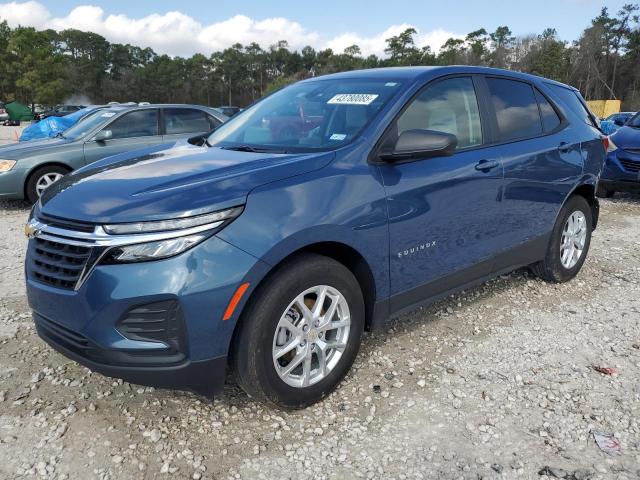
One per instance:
(268, 247)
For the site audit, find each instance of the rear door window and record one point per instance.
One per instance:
(140, 123)
(573, 102)
(187, 120)
(550, 118)
(516, 109)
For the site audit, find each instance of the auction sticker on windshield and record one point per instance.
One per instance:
(352, 99)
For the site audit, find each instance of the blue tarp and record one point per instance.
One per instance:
(608, 127)
(51, 126)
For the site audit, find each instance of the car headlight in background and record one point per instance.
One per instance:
(216, 219)
(6, 165)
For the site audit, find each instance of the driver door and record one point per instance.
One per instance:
(444, 211)
(131, 131)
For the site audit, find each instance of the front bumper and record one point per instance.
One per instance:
(621, 171)
(87, 325)
(205, 377)
(12, 183)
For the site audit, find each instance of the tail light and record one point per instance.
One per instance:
(608, 144)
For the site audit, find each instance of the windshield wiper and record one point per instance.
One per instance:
(60, 135)
(242, 148)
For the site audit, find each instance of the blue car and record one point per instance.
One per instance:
(614, 121)
(268, 250)
(622, 169)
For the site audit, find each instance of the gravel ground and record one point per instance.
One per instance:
(497, 382)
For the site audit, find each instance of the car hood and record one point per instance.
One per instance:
(158, 183)
(20, 150)
(627, 137)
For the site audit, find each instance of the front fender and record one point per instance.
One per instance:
(328, 205)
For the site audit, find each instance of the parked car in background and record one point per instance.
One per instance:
(4, 115)
(229, 111)
(61, 111)
(272, 253)
(622, 170)
(28, 168)
(615, 121)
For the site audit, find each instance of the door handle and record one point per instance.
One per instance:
(486, 165)
(564, 147)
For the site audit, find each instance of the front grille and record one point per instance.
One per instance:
(630, 165)
(58, 264)
(65, 224)
(634, 151)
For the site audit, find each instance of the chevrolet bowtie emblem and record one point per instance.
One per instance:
(32, 230)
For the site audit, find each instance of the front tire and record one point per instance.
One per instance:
(300, 333)
(43, 178)
(569, 242)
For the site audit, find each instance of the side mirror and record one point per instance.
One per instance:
(103, 135)
(414, 144)
(619, 121)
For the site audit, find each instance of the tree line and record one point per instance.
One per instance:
(48, 67)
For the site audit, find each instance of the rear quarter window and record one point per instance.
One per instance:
(550, 118)
(573, 101)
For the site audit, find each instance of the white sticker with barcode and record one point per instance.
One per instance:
(338, 136)
(352, 99)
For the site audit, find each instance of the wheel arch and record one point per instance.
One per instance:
(587, 190)
(340, 252)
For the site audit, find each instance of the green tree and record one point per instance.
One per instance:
(502, 40)
(39, 73)
(402, 49)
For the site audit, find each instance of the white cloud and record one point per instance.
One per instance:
(377, 43)
(176, 33)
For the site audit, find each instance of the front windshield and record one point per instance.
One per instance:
(634, 121)
(307, 116)
(88, 123)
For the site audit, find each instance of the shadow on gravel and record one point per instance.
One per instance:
(14, 205)
(628, 198)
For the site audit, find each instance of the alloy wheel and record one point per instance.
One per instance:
(46, 181)
(311, 336)
(574, 236)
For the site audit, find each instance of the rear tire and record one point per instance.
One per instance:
(605, 193)
(276, 321)
(42, 178)
(569, 242)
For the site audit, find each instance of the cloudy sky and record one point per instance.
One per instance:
(189, 26)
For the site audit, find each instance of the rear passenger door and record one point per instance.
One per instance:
(186, 122)
(444, 212)
(541, 158)
(130, 131)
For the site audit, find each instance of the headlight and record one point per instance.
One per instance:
(215, 219)
(142, 252)
(144, 241)
(6, 165)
